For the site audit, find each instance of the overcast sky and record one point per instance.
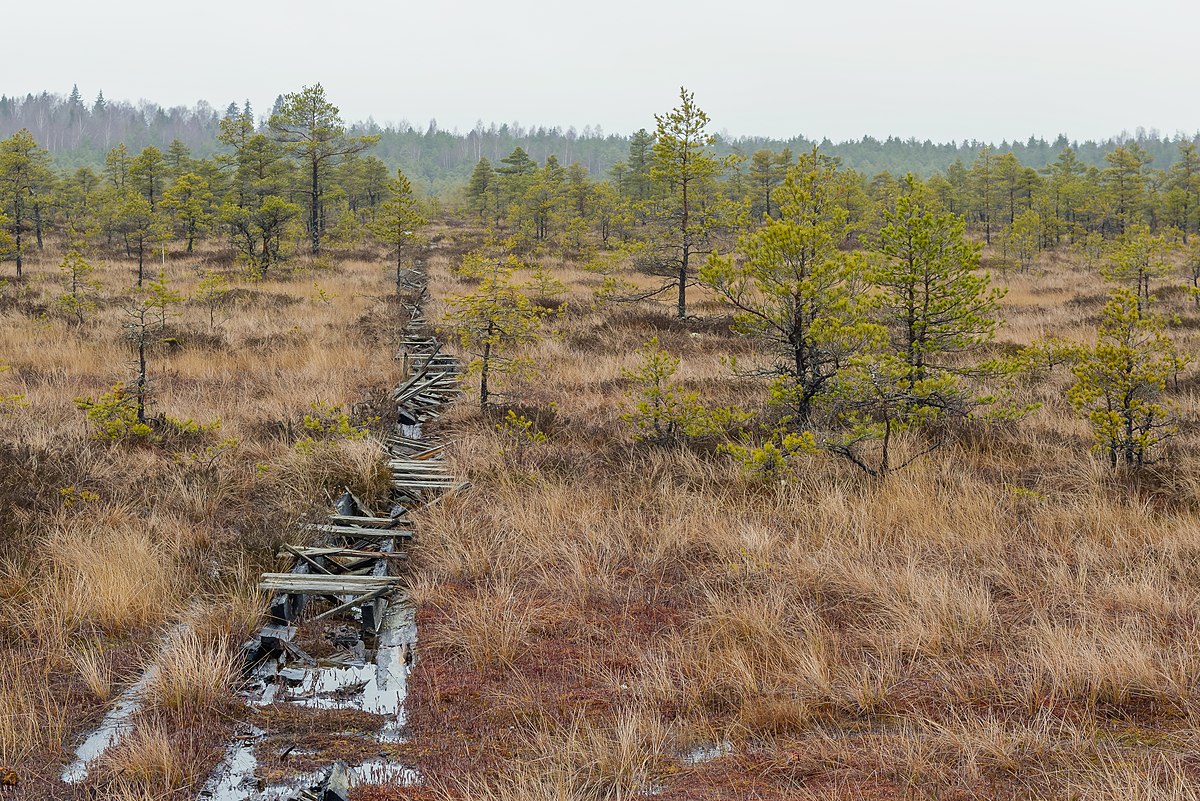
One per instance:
(937, 69)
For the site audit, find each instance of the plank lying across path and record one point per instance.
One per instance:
(307, 584)
(408, 483)
(336, 551)
(377, 534)
(381, 522)
(355, 531)
(431, 469)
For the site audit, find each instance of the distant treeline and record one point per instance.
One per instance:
(80, 133)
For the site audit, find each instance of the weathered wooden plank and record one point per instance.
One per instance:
(369, 535)
(324, 585)
(313, 563)
(403, 463)
(355, 531)
(357, 520)
(358, 600)
(424, 486)
(358, 553)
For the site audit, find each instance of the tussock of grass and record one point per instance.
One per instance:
(192, 676)
(147, 760)
(109, 572)
(489, 628)
(31, 717)
(89, 662)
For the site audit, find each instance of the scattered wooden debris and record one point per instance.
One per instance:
(335, 786)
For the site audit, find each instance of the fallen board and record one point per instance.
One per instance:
(298, 583)
(355, 531)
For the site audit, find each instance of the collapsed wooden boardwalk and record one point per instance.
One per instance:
(353, 566)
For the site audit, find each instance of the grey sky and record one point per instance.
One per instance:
(939, 69)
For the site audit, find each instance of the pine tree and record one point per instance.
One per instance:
(1185, 181)
(481, 189)
(517, 163)
(1065, 188)
(876, 399)
(983, 184)
(147, 174)
(24, 169)
(178, 158)
(213, 294)
(797, 289)
(1024, 238)
(311, 129)
(189, 202)
(260, 234)
(1008, 177)
(136, 222)
(937, 303)
(684, 172)
(493, 320)
(1138, 257)
(767, 170)
(659, 411)
(1120, 385)
(637, 184)
(76, 302)
(116, 167)
(1126, 184)
(398, 219)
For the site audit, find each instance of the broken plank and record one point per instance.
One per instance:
(357, 553)
(353, 602)
(305, 557)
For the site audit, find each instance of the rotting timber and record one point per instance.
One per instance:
(350, 578)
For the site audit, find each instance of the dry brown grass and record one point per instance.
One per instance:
(1006, 618)
(31, 717)
(104, 547)
(192, 676)
(89, 662)
(147, 760)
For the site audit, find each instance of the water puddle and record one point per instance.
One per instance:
(707, 752)
(379, 687)
(234, 777)
(114, 726)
